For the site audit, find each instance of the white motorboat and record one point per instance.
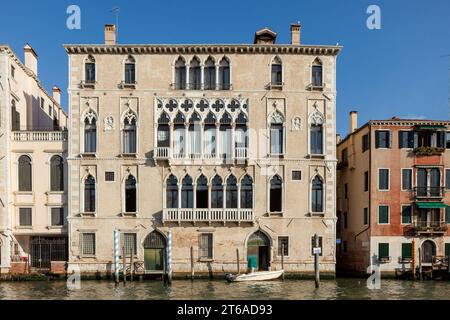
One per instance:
(255, 276)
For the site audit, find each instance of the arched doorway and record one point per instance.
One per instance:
(428, 251)
(155, 252)
(258, 252)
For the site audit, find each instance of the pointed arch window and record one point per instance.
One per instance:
(224, 75)
(202, 193)
(15, 117)
(316, 73)
(209, 72)
(241, 135)
(276, 193)
(195, 74)
(89, 194)
(194, 136)
(130, 70)
(89, 70)
(247, 192)
(225, 136)
(56, 173)
(317, 195)
(276, 72)
(217, 193)
(179, 134)
(90, 133)
(130, 194)
(210, 136)
(277, 134)
(129, 133)
(163, 137)
(25, 174)
(180, 74)
(172, 192)
(232, 192)
(187, 193)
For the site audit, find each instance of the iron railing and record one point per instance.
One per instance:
(429, 192)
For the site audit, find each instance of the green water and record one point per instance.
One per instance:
(220, 290)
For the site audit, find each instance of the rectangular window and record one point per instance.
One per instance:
(447, 140)
(406, 139)
(382, 139)
(129, 243)
(90, 72)
(25, 218)
(283, 246)
(447, 215)
(345, 220)
(88, 244)
(42, 103)
(366, 181)
(406, 179)
(406, 214)
(447, 249)
(366, 216)
(365, 143)
(130, 73)
(57, 216)
(383, 179)
(344, 155)
(206, 246)
(383, 251)
(276, 139)
(296, 175)
(447, 179)
(317, 76)
(406, 251)
(383, 214)
(314, 246)
(316, 139)
(109, 176)
(50, 111)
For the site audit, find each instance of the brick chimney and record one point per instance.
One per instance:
(31, 61)
(353, 121)
(295, 33)
(110, 34)
(57, 94)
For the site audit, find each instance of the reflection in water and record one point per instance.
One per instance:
(220, 290)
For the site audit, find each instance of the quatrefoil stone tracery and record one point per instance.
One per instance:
(187, 105)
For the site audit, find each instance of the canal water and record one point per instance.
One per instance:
(338, 289)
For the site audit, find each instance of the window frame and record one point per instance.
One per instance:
(280, 237)
(366, 182)
(64, 220)
(388, 180)
(447, 187)
(401, 214)
(63, 178)
(210, 236)
(411, 176)
(322, 180)
(19, 174)
(366, 216)
(18, 224)
(365, 147)
(297, 171)
(389, 141)
(135, 243)
(388, 215)
(82, 246)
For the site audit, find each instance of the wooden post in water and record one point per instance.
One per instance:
(413, 262)
(316, 261)
(131, 266)
(282, 260)
(420, 263)
(237, 261)
(192, 263)
(124, 266)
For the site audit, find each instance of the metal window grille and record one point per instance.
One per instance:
(88, 243)
(206, 246)
(296, 175)
(109, 176)
(283, 246)
(129, 242)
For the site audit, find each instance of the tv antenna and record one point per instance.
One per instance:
(116, 10)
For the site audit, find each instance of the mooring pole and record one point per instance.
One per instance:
(116, 255)
(169, 257)
(192, 263)
(413, 262)
(282, 260)
(124, 266)
(420, 263)
(131, 266)
(237, 261)
(316, 261)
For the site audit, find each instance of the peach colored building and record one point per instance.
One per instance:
(393, 182)
(32, 159)
(231, 147)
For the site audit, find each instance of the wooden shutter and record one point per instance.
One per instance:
(383, 250)
(406, 250)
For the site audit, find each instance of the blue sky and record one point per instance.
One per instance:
(400, 70)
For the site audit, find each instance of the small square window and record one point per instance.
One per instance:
(296, 175)
(109, 176)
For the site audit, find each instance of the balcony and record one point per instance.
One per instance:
(164, 153)
(429, 151)
(208, 215)
(430, 228)
(429, 192)
(24, 136)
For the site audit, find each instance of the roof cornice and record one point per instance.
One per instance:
(202, 48)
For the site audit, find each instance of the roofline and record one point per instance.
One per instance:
(13, 55)
(395, 122)
(202, 48)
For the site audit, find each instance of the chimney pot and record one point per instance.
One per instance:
(353, 121)
(57, 94)
(110, 34)
(295, 33)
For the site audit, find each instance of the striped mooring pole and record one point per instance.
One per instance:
(116, 254)
(169, 256)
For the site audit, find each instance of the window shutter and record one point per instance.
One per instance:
(377, 139)
(447, 215)
(391, 139)
(383, 250)
(400, 139)
(406, 250)
(416, 140)
(447, 249)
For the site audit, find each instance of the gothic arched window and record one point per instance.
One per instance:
(195, 74)
(232, 192)
(129, 133)
(217, 192)
(209, 78)
(247, 192)
(276, 194)
(180, 74)
(224, 74)
(172, 192)
(187, 193)
(25, 174)
(130, 194)
(202, 193)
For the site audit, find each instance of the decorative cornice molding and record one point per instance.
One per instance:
(201, 49)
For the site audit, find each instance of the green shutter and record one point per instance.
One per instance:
(406, 214)
(406, 250)
(383, 250)
(447, 249)
(383, 214)
(447, 215)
